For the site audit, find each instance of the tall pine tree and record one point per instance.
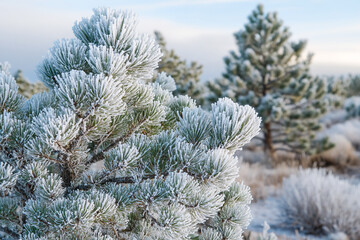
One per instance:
(269, 73)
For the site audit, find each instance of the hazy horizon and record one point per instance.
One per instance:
(198, 30)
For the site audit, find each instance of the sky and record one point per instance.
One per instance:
(198, 30)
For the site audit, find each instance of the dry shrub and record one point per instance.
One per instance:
(320, 203)
(342, 154)
(346, 138)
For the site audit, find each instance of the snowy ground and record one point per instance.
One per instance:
(267, 209)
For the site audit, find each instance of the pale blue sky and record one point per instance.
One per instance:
(198, 30)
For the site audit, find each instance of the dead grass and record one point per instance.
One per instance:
(262, 180)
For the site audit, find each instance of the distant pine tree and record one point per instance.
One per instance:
(26, 88)
(353, 87)
(352, 104)
(268, 73)
(186, 76)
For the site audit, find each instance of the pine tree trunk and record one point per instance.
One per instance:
(268, 141)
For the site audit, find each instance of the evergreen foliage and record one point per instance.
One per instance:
(268, 73)
(108, 154)
(353, 86)
(352, 104)
(186, 76)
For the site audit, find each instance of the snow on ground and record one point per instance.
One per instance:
(268, 210)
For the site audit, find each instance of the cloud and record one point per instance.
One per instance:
(28, 32)
(207, 46)
(167, 4)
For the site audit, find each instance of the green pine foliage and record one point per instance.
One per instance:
(268, 72)
(352, 92)
(108, 154)
(186, 76)
(353, 86)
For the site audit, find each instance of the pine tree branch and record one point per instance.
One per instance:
(278, 79)
(290, 148)
(120, 180)
(64, 157)
(115, 232)
(287, 150)
(83, 129)
(283, 138)
(100, 156)
(127, 180)
(104, 138)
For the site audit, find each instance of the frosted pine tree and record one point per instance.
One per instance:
(186, 76)
(268, 73)
(105, 154)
